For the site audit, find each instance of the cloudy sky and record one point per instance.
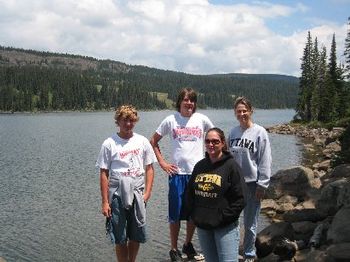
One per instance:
(192, 36)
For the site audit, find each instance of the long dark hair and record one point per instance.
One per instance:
(192, 95)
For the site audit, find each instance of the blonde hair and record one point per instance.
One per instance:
(126, 112)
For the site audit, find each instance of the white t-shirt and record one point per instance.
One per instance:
(186, 135)
(126, 157)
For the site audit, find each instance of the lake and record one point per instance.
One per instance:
(50, 196)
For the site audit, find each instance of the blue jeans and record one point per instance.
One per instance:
(251, 214)
(221, 244)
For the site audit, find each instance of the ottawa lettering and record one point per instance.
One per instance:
(245, 143)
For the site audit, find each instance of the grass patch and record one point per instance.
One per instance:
(163, 97)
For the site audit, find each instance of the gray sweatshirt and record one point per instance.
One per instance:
(251, 150)
(130, 189)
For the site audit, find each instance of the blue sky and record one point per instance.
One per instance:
(192, 36)
(309, 14)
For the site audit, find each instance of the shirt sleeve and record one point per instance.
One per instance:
(104, 157)
(264, 161)
(207, 124)
(164, 127)
(236, 193)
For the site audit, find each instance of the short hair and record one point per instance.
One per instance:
(126, 112)
(221, 135)
(192, 95)
(245, 101)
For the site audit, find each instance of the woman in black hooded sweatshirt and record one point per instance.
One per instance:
(215, 199)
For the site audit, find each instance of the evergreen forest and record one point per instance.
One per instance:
(324, 90)
(42, 81)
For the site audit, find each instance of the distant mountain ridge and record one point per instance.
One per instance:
(108, 83)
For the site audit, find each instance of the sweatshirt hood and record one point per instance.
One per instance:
(225, 155)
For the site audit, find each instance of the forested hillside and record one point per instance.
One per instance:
(32, 80)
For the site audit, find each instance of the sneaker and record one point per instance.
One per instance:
(189, 251)
(175, 255)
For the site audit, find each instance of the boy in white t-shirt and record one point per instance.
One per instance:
(126, 178)
(186, 129)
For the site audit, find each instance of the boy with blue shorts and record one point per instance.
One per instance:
(186, 129)
(126, 178)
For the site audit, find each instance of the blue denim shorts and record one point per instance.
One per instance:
(124, 225)
(176, 197)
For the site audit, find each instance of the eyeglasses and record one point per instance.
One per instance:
(213, 141)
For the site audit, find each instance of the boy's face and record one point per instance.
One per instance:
(187, 107)
(126, 126)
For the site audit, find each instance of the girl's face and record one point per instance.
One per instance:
(214, 145)
(243, 115)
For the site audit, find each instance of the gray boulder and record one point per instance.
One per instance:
(340, 171)
(303, 215)
(333, 196)
(303, 230)
(267, 238)
(339, 231)
(314, 255)
(295, 181)
(338, 253)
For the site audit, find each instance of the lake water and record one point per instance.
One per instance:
(49, 187)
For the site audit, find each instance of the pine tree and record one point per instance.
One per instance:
(303, 107)
(347, 52)
(324, 98)
(315, 95)
(346, 85)
(333, 85)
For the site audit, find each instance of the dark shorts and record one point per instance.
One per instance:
(124, 225)
(176, 195)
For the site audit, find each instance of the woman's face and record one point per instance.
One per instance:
(213, 144)
(243, 115)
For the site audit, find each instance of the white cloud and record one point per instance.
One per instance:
(192, 36)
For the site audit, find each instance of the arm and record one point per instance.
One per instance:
(168, 168)
(236, 193)
(208, 124)
(149, 176)
(264, 166)
(106, 209)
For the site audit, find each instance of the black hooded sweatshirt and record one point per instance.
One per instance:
(215, 192)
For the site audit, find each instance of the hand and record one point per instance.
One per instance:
(169, 168)
(259, 192)
(146, 196)
(106, 210)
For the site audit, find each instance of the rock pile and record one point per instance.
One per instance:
(309, 206)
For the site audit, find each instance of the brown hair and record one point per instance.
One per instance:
(221, 135)
(243, 100)
(191, 95)
(126, 112)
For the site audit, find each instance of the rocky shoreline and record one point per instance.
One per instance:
(309, 205)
